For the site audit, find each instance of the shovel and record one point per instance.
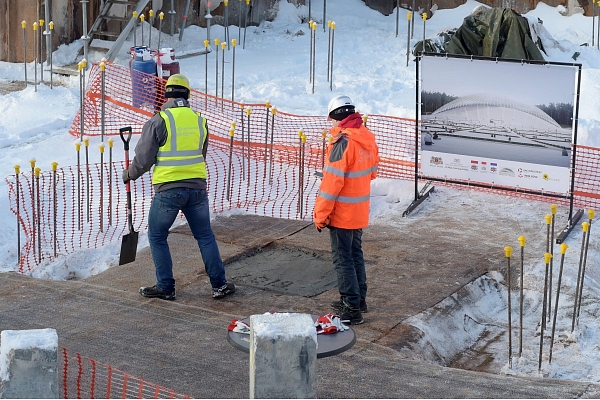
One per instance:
(129, 243)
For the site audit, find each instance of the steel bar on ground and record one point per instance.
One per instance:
(151, 22)
(161, 16)
(332, 43)
(585, 227)
(547, 258)
(223, 45)
(314, 56)
(101, 216)
(38, 221)
(273, 112)
(78, 149)
(24, 26)
(310, 61)
(412, 21)
(172, 13)
(33, 211)
(508, 252)
(17, 170)
(41, 51)
(245, 22)
(587, 242)
(51, 25)
(248, 111)
(35, 26)
(228, 194)
(328, 47)
(226, 21)
(563, 250)
(86, 143)
(267, 105)
(408, 18)
(184, 19)
(217, 41)
(233, 43)
(553, 211)
(54, 206)
(206, 43)
(110, 170)
(522, 243)
(397, 16)
(240, 22)
(142, 20)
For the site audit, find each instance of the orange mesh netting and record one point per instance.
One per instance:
(85, 378)
(265, 168)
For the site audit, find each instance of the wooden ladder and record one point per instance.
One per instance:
(100, 26)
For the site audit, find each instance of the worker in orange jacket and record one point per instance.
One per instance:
(343, 201)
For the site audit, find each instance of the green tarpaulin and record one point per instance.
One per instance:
(492, 32)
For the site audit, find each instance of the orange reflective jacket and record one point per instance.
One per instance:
(351, 163)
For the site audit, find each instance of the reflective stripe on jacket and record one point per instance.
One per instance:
(351, 163)
(181, 156)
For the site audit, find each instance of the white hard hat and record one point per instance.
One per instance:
(340, 105)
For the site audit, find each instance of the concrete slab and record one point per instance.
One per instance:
(412, 263)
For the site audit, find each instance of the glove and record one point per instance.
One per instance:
(238, 326)
(322, 224)
(329, 323)
(126, 177)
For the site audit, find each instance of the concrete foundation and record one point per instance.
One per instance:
(283, 356)
(29, 364)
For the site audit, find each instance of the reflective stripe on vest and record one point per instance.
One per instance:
(344, 199)
(181, 156)
(352, 174)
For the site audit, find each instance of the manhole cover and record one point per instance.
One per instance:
(283, 270)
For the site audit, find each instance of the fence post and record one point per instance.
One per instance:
(283, 356)
(30, 367)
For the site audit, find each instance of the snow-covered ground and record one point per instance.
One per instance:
(370, 67)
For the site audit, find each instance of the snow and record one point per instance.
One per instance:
(284, 326)
(370, 68)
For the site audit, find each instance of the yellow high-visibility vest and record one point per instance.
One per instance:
(181, 156)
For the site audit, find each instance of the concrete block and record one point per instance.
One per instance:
(29, 364)
(283, 356)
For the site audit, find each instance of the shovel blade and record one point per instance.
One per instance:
(128, 248)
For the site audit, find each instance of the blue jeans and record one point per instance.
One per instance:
(349, 264)
(163, 211)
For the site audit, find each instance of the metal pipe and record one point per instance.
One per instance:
(172, 13)
(587, 242)
(55, 209)
(184, 19)
(85, 37)
(17, 170)
(585, 227)
(24, 26)
(563, 250)
(522, 242)
(508, 251)
(547, 258)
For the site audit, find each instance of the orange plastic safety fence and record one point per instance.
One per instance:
(266, 168)
(85, 378)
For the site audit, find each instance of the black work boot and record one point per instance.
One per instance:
(227, 289)
(154, 292)
(350, 316)
(336, 305)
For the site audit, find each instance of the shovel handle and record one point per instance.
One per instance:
(125, 141)
(127, 185)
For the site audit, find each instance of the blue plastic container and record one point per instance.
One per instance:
(143, 72)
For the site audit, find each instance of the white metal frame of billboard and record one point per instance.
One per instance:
(499, 123)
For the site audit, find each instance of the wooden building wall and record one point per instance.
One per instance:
(68, 21)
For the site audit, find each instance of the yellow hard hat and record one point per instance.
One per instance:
(178, 80)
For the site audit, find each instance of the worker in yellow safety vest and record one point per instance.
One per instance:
(175, 141)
